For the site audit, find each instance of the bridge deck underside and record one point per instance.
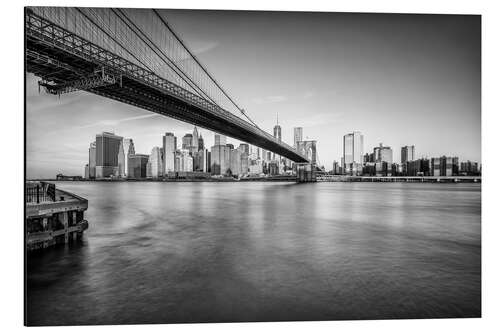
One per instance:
(65, 66)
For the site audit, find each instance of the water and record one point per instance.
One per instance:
(211, 252)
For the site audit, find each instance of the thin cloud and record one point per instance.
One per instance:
(270, 99)
(114, 122)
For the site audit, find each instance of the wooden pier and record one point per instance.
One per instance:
(53, 216)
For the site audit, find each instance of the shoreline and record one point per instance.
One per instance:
(331, 179)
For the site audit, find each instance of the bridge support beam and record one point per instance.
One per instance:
(306, 172)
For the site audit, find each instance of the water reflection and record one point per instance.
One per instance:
(204, 252)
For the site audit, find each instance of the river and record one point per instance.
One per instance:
(248, 251)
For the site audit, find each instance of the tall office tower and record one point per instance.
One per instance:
(92, 160)
(407, 154)
(187, 141)
(297, 136)
(219, 140)
(194, 142)
(435, 167)
(128, 149)
(383, 154)
(277, 129)
(244, 148)
(208, 160)
(156, 163)
(201, 143)
(235, 161)
(107, 146)
(149, 174)
(353, 152)
(185, 161)
(220, 159)
(169, 148)
(137, 166)
(121, 160)
(244, 163)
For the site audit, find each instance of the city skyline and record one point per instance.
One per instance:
(377, 85)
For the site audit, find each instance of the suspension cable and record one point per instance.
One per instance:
(151, 44)
(203, 68)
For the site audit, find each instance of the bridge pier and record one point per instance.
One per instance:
(306, 172)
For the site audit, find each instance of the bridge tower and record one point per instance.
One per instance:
(306, 172)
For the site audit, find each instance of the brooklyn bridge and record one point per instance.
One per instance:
(135, 57)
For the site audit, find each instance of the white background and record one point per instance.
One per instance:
(12, 163)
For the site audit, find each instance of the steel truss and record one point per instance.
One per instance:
(67, 62)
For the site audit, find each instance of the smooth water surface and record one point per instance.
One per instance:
(203, 252)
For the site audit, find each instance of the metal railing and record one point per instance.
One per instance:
(40, 192)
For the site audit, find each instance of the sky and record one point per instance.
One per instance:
(398, 79)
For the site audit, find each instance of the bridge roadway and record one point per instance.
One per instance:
(67, 62)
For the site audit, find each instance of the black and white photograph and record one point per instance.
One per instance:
(232, 166)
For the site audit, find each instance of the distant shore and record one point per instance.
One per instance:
(287, 178)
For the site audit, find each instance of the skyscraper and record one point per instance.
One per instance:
(277, 135)
(92, 160)
(187, 141)
(220, 159)
(383, 154)
(277, 129)
(235, 161)
(297, 136)
(156, 163)
(201, 143)
(194, 141)
(121, 161)
(353, 152)
(128, 149)
(407, 154)
(107, 147)
(137, 166)
(169, 148)
(244, 148)
(219, 140)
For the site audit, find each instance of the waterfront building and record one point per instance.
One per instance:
(255, 167)
(137, 166)
(107, 147)
(369, 169)
(149, 174)
(407, 154)
(169, 149)
(382, 169)
(155, 162)
(435, 167)
(187, 141)
(235, 162)
(220, 159)
(185, 161)
(273, 168)
(244, 148)
(207, 160)
(297, 136)
(86, 172)
(92, 160)
(382, 154)
(219, 140)
(244, 163)
(121, 161)
(353, 153)
(128, 149)
(469, 168)
(336, 168)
